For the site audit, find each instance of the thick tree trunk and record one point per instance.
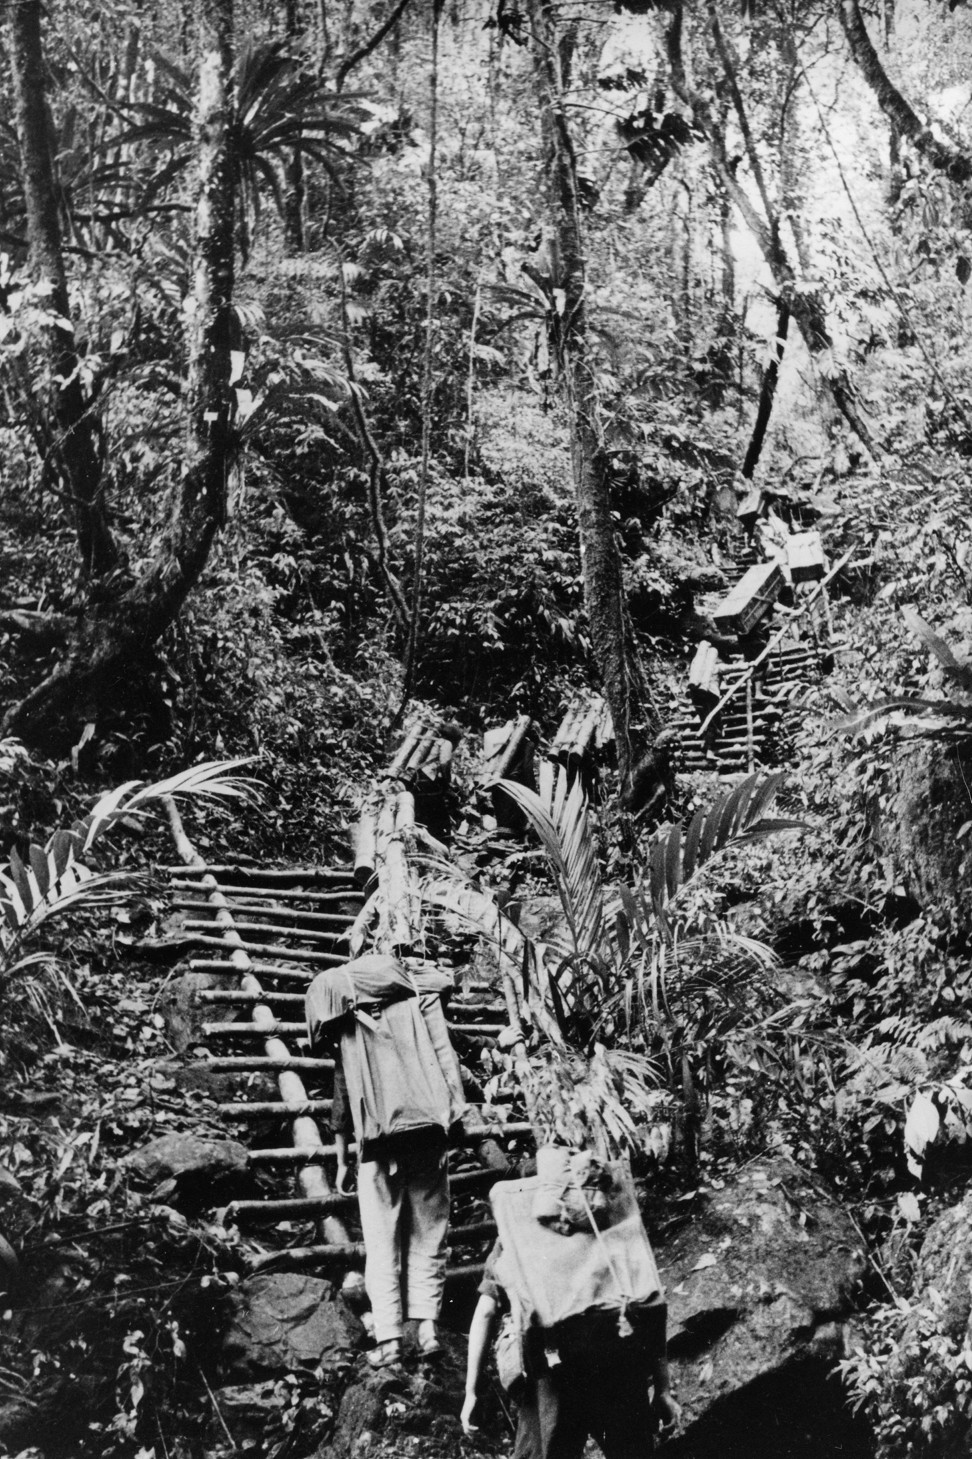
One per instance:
(903, 118)
(115, 637)
(73, 454)
(611, 636)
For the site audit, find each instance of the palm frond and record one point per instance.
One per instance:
(736, 818)
(559, 814)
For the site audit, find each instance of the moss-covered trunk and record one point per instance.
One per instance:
(611, 636)
(114, 637)
(72, 438)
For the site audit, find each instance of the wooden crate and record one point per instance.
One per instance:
(805, 557)
(751, 599)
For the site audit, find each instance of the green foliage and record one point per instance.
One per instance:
(50, 880)
(278, 106)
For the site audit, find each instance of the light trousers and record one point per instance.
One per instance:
(403, 1201)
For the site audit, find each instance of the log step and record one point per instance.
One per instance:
(231, 1064)
(278, 1029)
(305, 934)
(264, 970)
(290, 876)
(269, 1108)
(299, 954)
(313, 1205)
(236, 995)
(353, 893)
(291, 914)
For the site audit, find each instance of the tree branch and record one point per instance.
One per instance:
(956, 165)
(372, 44)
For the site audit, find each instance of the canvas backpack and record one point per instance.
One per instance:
(580, 1292)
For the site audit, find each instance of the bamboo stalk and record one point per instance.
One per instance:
(365, 845)
(420, 753)
(404, 751)
(520, 728)
(584, 735)
(405, 813)
(565, 730)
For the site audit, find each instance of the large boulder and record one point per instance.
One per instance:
(280, 1321)
(191, 1170)
(759, 1288)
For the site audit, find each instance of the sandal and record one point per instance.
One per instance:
(385, 1354)
(428, 1344)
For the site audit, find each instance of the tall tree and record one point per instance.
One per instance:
(71, 440)
(806, 306)
(116, 633)
(612, 639)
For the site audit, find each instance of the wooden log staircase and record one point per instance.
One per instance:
(261, 934)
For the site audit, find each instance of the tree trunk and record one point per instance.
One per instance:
(767, 394)
(806, 309)
(73, 454)
(293, 218)
(611, 636)
(956, 165)
(115, 636)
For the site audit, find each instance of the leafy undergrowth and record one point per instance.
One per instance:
(118, 1294)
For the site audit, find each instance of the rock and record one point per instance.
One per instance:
(286, 1320)
(759, 1289)
(181, 1009)
(191, 1170)
(177, 1155)
(245, 1410)
(384, 1412)
(928, 808)
(362, 1412)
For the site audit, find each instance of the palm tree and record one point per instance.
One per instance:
(630, 995)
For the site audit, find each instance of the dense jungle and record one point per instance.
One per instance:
(500, 468)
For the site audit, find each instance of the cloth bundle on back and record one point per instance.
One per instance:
(404, 1093)
(566, 1285)
(399, 1065)
(585, 1330)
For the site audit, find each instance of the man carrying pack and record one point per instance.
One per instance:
(398, 1086)
(583, 1327)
